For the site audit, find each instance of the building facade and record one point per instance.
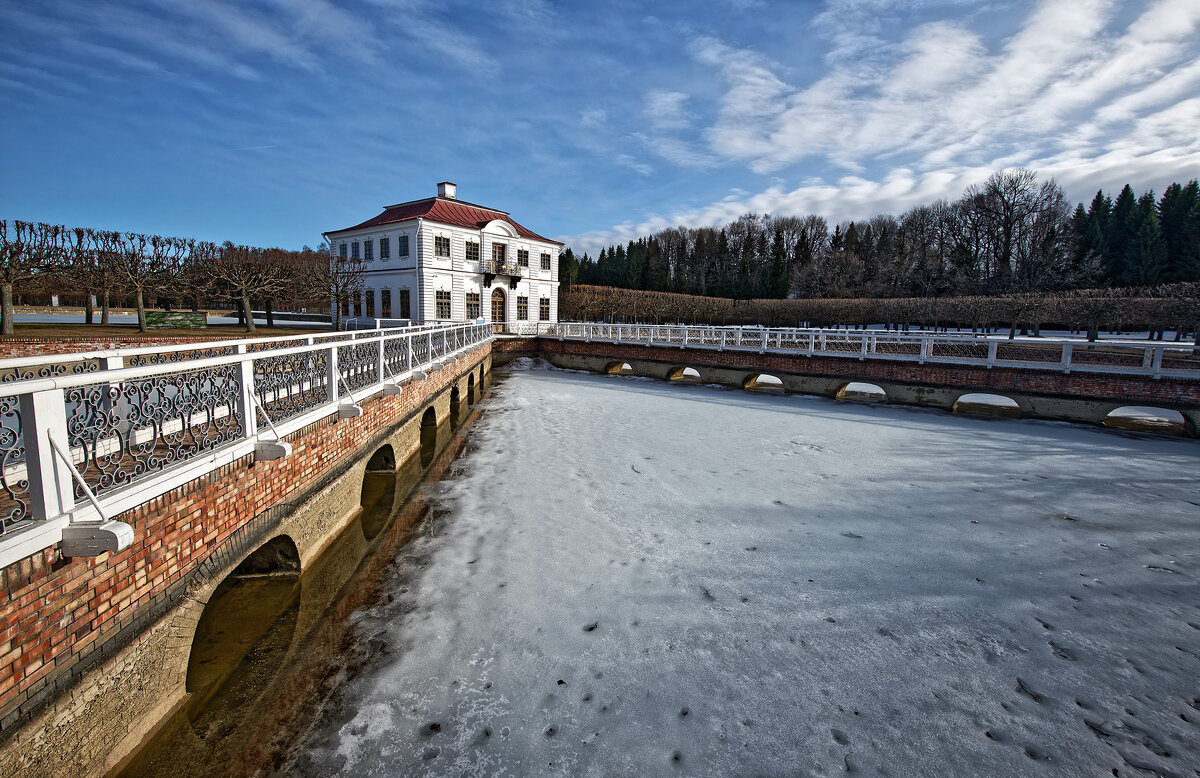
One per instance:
(442, 259)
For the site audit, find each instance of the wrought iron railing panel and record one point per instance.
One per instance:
(14, 481)
(395, 356)
(121, 432)
(420, 350)
(288, 385)
(49, 370)
(359, 364)
(170, 357)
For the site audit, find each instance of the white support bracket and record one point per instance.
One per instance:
(267, 450)
(350, 410)
(91, 538)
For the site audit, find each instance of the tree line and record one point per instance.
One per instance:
(1166, 308)
(115, 267)
(1011, 234)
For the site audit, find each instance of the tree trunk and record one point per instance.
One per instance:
(6, 309)
(141, 308)
(247, 312)
(104, 309)
(1093, 333)
(270, 314)
(89, 310)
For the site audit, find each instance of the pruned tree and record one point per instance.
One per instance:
(27, 251)
(244, 272)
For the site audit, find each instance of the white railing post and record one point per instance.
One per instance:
(408, 340)
(812, 343)
(335, 375)
(722, 346)
(924, 350)
(382, 372)
(993, 346)
(44, 414)
(1156, 364)
(1065, 362)
(763, 346)
(246, 404)
(429, 340)
(862, 351)
(683, 340)
(650, 339)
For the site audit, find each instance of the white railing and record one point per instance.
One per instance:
(132, 432)
(1156, 360)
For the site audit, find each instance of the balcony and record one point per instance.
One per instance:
(500, 267)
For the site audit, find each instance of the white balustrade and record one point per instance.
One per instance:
(132, 432)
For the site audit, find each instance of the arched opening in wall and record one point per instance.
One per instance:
(471, 398)
(1141, 418)
(428, 436)
(243, 636)
(378, 491)
(858, 391)
(684, 375)
(982, 404)
(619, 368)
(763, 382)
(455, 407)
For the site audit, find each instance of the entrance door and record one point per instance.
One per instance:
(498, 310)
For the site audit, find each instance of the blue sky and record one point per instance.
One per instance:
(269, 122)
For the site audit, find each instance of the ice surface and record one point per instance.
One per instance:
(1142, 412)
(632, 578)
(996, 400)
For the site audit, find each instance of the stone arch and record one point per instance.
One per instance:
(984, 404)
(471, 399)
(429, 431)
(1145, 418)
(763, 382)
(253, 610)
(619, 367)
(860, 391)
(384, 459)
(684, 374)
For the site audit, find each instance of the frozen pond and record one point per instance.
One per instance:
(635, 578)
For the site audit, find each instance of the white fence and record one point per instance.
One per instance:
(135, 423)
(1156, 359)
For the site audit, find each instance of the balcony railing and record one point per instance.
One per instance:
(500, 267)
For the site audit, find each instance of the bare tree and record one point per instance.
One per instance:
(245, 272)
(27, 251)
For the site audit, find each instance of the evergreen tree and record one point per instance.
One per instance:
(1179, 217)
(779, 271)
(1146, 255)
(1120, 236)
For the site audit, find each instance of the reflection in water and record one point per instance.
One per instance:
(264, 628)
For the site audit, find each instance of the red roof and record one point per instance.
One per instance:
(445, 211)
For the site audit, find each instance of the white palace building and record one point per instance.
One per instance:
(442, 259)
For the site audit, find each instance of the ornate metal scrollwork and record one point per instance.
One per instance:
(14, 504)
(169, 357)
(359, 364)
(395, 355)
(48, 371)
(290, 384)
(420, 349)
(121, 432)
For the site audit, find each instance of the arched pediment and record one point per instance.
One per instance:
(500, 227)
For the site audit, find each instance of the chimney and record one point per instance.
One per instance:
(448, 190)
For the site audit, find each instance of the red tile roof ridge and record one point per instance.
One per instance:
(445, 210)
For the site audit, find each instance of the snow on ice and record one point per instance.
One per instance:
(632, 578)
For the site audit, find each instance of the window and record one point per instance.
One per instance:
(441, 246)
(402, 246)
(544, 309)
(545, 260)
(385, 248)
(385, 297)
(405, 305)
(523, 308)
(472, 305)
(442, 298)
(369, 296)
(342, 251)
(354, 249)
(369, 249)
(498, 253)
(523, 257)
(472, 251)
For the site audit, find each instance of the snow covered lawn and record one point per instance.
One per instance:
(636, 578)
